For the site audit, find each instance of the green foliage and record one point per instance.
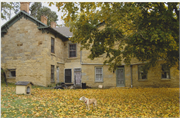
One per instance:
(37, 11)
(146, 31)
(35, 8)
(7, 8)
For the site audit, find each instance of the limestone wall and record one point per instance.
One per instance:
(72, 62)
(154, 77)
(56, 59)
(88, 76)
(23, 49)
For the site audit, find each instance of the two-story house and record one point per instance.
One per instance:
(32, 51)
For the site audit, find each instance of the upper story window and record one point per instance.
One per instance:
(72, 50)
(165, 72)
(141, 73)
(52, 45)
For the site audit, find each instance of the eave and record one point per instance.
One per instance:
(17, 17)
(40, 25)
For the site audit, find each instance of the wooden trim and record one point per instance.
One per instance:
(95, 74)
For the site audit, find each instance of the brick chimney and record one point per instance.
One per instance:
(44, 19)
(24, 6)
(53, 24)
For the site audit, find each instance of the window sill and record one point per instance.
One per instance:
(11, 77)
(53, 54)
(143, 80)
(165, 79)
(99, 81)
(71, 58)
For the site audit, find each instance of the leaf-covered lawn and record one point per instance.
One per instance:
(114, 102)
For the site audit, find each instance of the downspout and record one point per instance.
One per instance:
(81, 56)
(131, 77)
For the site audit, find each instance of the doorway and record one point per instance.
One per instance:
(120, 77)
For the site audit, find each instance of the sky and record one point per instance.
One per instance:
(60, 21)
(53, 8)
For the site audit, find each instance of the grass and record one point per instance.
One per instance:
(115, 102)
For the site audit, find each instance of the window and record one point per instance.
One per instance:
(67, 75)
(165, 72)
(72, 50)
(52, 73)
(12, 72)
(141, 73)
(98, 74)
(52, 45)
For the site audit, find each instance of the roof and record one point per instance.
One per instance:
(23, 83)
(65, 31)
(41, 26)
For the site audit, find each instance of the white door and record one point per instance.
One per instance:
(57, 70)
(120, 79)
(77, 76)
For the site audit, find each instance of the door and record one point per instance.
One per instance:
(77, 76)
(120, 78)
(57, 70)
(67, 75)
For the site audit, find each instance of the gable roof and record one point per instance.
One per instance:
(41, 26)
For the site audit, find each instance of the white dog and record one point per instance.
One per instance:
(88, 101)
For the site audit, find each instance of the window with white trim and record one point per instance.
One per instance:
(141, 73)
(72, 50)
(165, 72)
(98, 74)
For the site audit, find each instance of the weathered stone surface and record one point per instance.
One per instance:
(29, 50)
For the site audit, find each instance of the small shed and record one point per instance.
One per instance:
(23, 87)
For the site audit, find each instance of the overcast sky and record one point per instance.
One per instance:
(53, 8)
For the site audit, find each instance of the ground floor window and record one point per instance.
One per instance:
(141, 73)
(98, 74)
(68, 75)
(52, 74)
(165, 72)
(11, 72)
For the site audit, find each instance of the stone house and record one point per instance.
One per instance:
(32, 51)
